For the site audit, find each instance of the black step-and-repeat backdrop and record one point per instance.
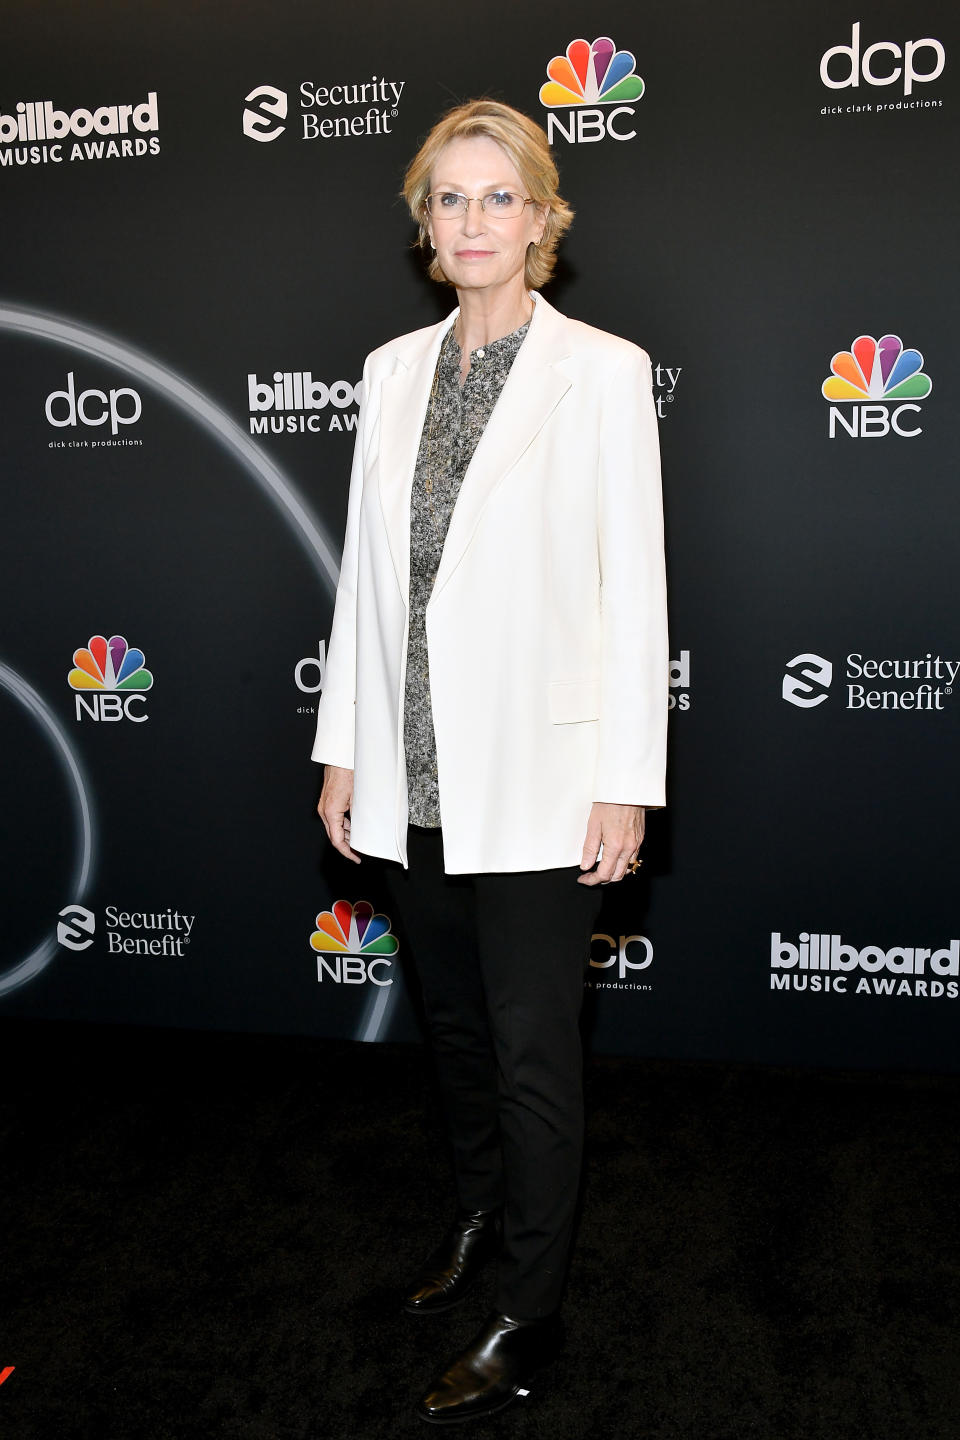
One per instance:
(201, 240)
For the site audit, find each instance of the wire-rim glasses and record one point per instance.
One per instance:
(503, 204)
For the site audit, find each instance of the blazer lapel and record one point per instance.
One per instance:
(403, 406)
(532, 391)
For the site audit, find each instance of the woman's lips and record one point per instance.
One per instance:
(473, 254)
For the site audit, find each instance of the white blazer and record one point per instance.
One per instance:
(546, 628)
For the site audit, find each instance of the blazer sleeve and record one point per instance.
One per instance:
(634, 673)
(336, 711)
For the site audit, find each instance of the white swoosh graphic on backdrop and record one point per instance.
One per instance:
(269, 478)
(50, 726)
(261, 469)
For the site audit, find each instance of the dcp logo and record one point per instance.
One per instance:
(272, 104)
(807, 680)
(308, 672)
(640, 959)
(93, 407)
(851, 64)
(76, 923)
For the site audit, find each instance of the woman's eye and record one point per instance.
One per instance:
(449, 200)
(500, 200)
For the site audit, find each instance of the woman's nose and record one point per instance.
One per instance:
(474, 219)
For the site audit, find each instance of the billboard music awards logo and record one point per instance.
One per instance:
(168, 931)
(903, 64)
(327, 112)
(679, 682)
(309, 671)
(593, 86)
(111, 680)
(37, 133)
(290, 402)
(354, 945)
(621, 957)
(825, 965)
(66, 409)
(922, 683)
(880, 382)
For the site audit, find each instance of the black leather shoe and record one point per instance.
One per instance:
(454, 1267)
(493, 1370)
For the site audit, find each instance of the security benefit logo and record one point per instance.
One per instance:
(874, 390)
(110, 679)
(665, 379)
(266, 108)
(89, 414)
(354, 945)
(163, 933)
(618, 961)
(292, 402)
(590, 93)
(76, 928)
(338, 111)
(895, 68)
(36, 132)
(886, 682)
(826, 965)
(807, 680)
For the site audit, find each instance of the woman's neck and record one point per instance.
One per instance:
(485, 317)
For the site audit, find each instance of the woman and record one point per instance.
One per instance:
(495, 702)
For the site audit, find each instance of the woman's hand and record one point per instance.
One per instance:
(617, 832)
(333, 808)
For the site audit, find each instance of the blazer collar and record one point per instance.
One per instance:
(532, 390)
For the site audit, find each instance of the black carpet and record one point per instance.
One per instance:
(204, 1235)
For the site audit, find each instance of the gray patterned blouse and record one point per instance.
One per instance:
(454, 423)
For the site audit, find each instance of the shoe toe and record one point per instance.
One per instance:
(492, 1372)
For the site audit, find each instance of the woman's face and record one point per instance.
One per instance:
(480, 250)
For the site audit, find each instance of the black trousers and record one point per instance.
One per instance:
(501, 960)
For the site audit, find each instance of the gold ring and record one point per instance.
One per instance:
(634, 865)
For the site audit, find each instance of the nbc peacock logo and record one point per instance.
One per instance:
(110, 679)
(354, 944)
(591, 75)
(882, 383)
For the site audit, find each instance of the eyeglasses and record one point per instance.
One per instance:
(501, 203)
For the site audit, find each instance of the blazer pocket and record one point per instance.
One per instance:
(570, 701)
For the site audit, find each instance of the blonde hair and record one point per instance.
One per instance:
(525, 143)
